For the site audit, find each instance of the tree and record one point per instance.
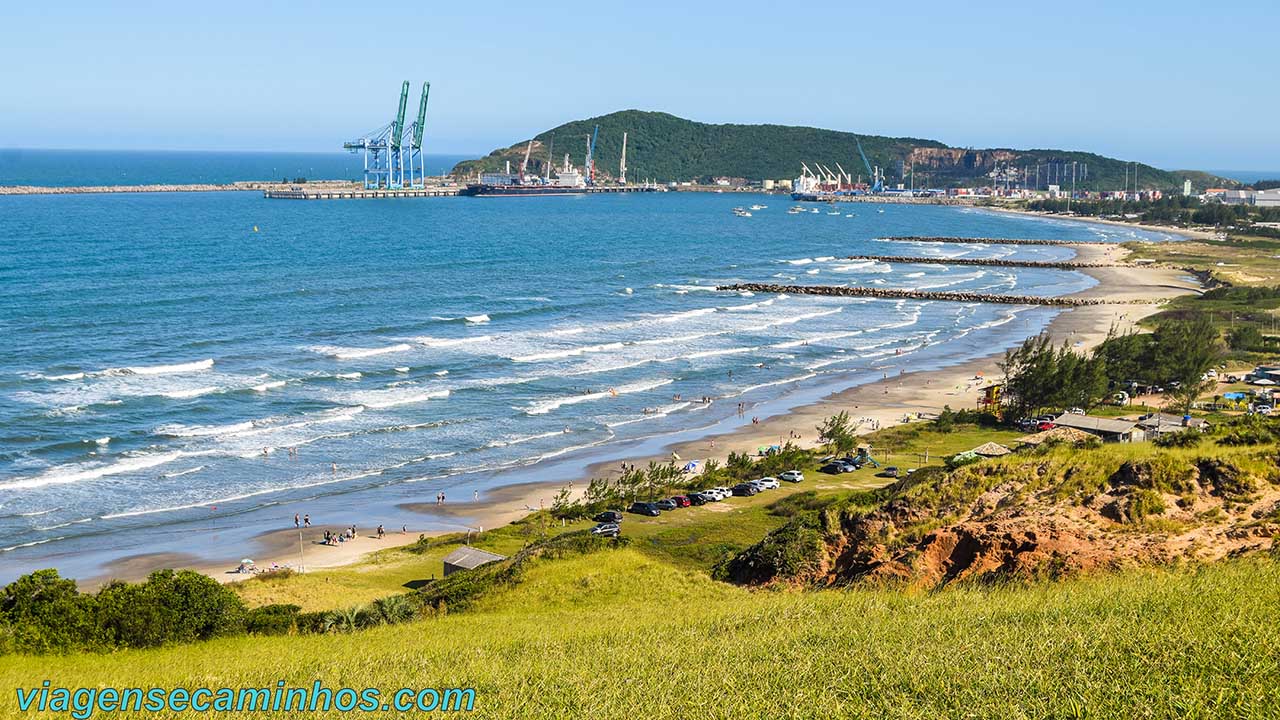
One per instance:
(1184, 351)
(47, 613)
(837, 433)
(1038, 375)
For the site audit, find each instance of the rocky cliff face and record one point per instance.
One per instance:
(960, 161)
(1035, 516)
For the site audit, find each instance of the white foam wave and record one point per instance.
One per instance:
(477, 319)
(197, 366)
(68, 376)
(67, 474)
(546, 406)
(661, 412)
(193, 392)
(270, 385)
(348, 376)
(180, 473)
(451, 342)
(344, 353)
(379, 399)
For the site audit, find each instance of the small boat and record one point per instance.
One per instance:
(881, 211)
(795, 211)
(834, 212)
(759, 207)
(814, 211)
(851, 215)
(741, 212)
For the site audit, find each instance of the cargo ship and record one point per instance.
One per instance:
(568, 181)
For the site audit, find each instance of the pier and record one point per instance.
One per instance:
(988, 262)
(356, 194)
(985, 241)
(892, 294)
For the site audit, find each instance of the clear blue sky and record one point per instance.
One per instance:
(1177, 84)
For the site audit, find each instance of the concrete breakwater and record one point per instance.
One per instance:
(992, 262)
(331, 185)
(983, 240)
(893, 294)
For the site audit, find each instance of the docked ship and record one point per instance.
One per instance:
(567, 181)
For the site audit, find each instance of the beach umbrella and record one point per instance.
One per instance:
(246, 561)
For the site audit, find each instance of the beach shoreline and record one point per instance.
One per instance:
(901, 394)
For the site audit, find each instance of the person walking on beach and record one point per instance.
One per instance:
(381, 532)
(475, 495)
(296, 522)
(306, 520)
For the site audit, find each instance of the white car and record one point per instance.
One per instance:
(794, 476)
(720, 492)
(767, 483)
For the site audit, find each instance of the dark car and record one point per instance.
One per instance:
(698, 499)
(607, 530)
(745, 489)
(667, 504)
(889, 472)
(832, 468)
(608, 516)
(681, 500)
(645, 508)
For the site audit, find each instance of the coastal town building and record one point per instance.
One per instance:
(1108, 429)
(468, 558)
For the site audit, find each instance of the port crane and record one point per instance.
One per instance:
(622, 166)
(384, 148)
(591, 155)
(877, 183)
(416, 158)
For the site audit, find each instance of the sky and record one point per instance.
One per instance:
(1175, 84)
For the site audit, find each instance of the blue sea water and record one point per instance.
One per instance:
(163, 352)
(70, 168)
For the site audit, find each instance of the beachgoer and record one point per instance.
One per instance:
(381, 532)
(335, 467)
(296, 521)
(306, 521)
(475, 495)
(404, 529)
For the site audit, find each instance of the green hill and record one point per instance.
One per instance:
(664, 147)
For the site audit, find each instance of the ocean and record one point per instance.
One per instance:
(78, 168)
(164, 352)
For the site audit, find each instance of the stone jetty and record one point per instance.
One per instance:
(990, 262)
(895, 294)
(985, 241)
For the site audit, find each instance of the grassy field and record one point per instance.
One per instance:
(643, 630)
(1240, 260)
(621, 633)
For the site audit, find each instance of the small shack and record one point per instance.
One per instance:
(468, 558)
(1109, 429)
(1156, 424)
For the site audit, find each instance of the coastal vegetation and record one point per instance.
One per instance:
(664, 147)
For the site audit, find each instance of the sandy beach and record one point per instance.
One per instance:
(898, 395)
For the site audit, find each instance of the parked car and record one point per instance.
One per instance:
(1045, 425)
(666, 504)
(698, 498)
(768, 483)
(645, 508)
(889, 472)
(681, 501)
(833, 468)
(1075, 411)
(745, 489)
(608, 516)
(723, 492)
(793, 476)
(607, 530)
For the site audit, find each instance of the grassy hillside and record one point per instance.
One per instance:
(588, 636)
(665, 147)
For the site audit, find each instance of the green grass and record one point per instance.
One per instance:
(623, 634)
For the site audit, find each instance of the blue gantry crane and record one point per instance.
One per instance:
(877, 183)
(384, 148)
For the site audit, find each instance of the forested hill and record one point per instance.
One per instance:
(664, 147)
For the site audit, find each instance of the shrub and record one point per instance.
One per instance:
(277, 619)
(790, 552)
(1179, 439)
